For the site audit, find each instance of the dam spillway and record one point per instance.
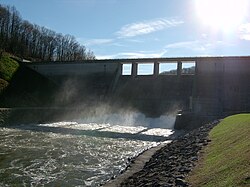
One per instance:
(217, 85)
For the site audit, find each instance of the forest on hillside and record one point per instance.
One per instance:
(37, 43)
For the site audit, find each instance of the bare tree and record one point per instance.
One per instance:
(27, 40)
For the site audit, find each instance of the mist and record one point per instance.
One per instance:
(106, 114)
(90, 102)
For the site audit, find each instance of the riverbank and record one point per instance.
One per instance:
(136, 165)
(170, 165)
(225, 161)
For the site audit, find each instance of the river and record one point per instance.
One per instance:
(84, 152)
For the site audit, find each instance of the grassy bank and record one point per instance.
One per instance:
(8, 67)
(225, 161)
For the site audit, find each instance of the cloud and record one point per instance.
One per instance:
(98, 41)
(131, 30)
(140, 54)
(195, 45)
(146, 27)
(244, 31)
(100, 57)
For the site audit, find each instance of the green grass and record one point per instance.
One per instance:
(8, 67)
(3, 84)
(226, 161)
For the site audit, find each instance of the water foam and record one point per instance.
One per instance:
(85, 152)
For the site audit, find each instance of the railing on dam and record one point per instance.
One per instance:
(137, 67)
(132, 67)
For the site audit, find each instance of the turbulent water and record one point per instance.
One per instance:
(73, 153)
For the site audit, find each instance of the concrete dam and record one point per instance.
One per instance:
(205, 86)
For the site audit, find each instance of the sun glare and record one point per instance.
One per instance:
(222, 15)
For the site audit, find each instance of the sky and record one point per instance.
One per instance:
(146, 28)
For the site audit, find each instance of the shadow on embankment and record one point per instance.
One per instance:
(27, 88)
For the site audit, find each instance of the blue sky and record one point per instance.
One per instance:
(146, 28)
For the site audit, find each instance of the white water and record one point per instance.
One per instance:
(72, 153)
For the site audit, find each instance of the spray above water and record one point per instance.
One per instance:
(128, 122)
(116, 114)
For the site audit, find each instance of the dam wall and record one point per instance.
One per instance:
(155, 95)
(222, 85)
(212, 86)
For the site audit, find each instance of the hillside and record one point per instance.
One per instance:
(190, 70)
(37, 43)
(21, 87)
(226, 160)
(8, 67)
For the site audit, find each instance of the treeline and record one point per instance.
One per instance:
(30, 41)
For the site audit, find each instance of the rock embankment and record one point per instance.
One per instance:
(170, 165)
